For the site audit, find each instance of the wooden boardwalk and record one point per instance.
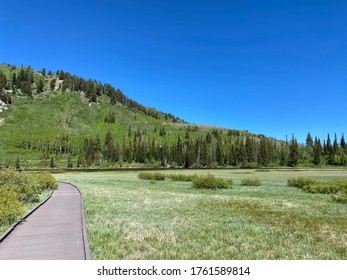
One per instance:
(55, 231)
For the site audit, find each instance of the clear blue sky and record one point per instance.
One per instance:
(271, 67)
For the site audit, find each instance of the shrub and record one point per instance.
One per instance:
(45, 181)
(181, 177)
(211, 182)
(332, 187)
(152, 176)
(27, 186)
(21, 183)
(11, 208)
(300, 182)
(251, 182)
(340, 198)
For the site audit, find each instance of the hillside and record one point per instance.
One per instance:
(55, 119)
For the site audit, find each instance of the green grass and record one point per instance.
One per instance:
(128, 218)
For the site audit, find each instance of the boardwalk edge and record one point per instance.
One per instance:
(84, 226)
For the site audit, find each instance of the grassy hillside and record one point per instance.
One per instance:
(30, 124)
(55, 119)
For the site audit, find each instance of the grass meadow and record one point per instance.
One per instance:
(128, 218)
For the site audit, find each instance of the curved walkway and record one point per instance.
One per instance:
(55, 231)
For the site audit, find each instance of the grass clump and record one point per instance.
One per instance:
(251, 182)
(211, 182)
(152, 176)
(181, 177)
(300, 182)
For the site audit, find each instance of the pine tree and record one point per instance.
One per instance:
(219, 154)
(335, 146)
(309, 146)
(309, 140)
(263, 156)
(329, 151)
(242, 156)
(317, 151)
(342, 142)
(293, 157)
(249, 150)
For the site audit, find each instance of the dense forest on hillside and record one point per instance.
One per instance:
(55, 119)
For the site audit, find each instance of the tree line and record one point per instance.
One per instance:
(212, 150)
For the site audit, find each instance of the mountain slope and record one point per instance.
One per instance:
(61, 120)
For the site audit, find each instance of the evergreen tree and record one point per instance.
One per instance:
(219, 154)
(317, 151)
(14, 80)
(263, 157)
(329, 151)
(242, 156)
(342, 142)
(309, 140)
(293, 157)
(179, 151)
(335, 146)
(249, 150)
(26, 89)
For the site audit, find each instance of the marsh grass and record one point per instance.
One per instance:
(128, 218)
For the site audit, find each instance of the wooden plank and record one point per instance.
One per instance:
(54, 231)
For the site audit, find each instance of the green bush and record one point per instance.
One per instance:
(153, 176)
(300, 182)
(45, 181)
(211, 182)
(181, 177)
(341, 197)
(332, 187)
(18, 188)
(27, 186)
(11, 208)
(23, 184)
(251, 182)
